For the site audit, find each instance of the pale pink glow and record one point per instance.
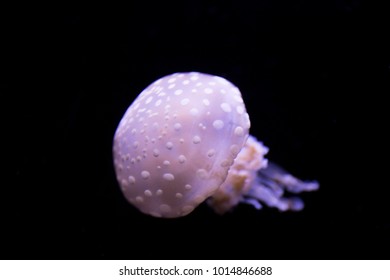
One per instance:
(184, 140)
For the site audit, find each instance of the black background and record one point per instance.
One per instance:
(308, 72)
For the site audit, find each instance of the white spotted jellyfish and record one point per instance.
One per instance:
(185, 140)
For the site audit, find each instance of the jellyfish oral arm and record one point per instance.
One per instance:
(279, 176)
(255, 181)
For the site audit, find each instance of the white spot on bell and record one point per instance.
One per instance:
(239, 131)
(159, 192)
(218, 124)
(179, 195)
(145, 174)
(178, 91)
(194, 111)
(208, 90)
(177, 126)
(211, 153)
(196, 139)
(240, 109)
(226, 107)
(131, 180)
(201, 173)
(165, 208)
(169, 145)
(182, 159)
(148, 100)
(168, 177)
(184, 101)
(187, 209)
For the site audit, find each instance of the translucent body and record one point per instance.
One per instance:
(184, 140)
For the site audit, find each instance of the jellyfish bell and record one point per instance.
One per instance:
(185, 139)
(176, 142)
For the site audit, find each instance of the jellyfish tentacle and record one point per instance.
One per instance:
(273, 199)
(287, 181)
(253, 180)
(253, 202)
(240, 178)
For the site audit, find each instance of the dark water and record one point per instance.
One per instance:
(308, 74)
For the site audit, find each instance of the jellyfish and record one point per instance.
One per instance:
(185, 140)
